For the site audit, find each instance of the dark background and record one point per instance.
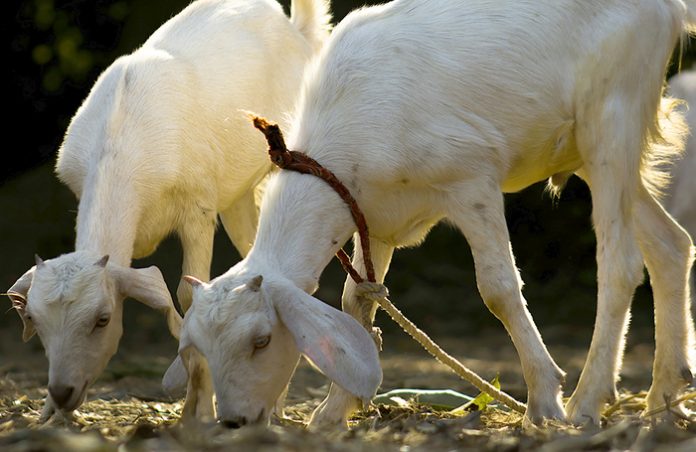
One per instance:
(56, 51)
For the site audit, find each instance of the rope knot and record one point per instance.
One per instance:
(371, 291)
(367, 293)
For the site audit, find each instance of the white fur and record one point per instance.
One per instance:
(161, 146)
(680, 200)
(429, 109)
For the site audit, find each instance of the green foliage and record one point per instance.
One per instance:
(61, 51)
(483, 399)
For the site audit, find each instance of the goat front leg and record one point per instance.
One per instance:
(48, 409)
(339, 403)
(240, 221)
(199, 404)
(196, 237)
(479, 214)
(197, 241)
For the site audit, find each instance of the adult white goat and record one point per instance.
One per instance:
(680, 199)
(427, 110)
(681, 196)
(160, 146)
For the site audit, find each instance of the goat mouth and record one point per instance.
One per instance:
(76, 400)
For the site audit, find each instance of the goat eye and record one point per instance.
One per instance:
(262, 342)
(103, 321)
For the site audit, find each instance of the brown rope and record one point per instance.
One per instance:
(302, 163)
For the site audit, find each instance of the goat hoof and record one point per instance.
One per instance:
(325, 419)
(47, 411)
(580, 412)
(536, 414)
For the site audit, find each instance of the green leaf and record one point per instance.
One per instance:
(481, 401)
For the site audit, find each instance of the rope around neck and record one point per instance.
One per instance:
(370, 290)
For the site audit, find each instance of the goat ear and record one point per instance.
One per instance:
(331, 340)
(18, 295)
(148, 287)
(175, 378)
(255, 283)
(28, 331)
(103, 261)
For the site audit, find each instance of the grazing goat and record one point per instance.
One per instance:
(428, 110)
(159, 146)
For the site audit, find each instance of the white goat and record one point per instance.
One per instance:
(428, 110)
(681, 196)
(680, 199)
(160, 146)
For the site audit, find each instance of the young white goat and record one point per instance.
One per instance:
(427, 110)
(159, 146)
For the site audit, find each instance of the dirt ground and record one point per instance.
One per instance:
(127, 411)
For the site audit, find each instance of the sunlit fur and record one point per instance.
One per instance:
(429, 109)
(680, 200)
(681, 196)
(160, 146)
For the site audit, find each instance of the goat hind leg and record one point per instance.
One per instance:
(481, 218)
(667, 250)
(619, 272)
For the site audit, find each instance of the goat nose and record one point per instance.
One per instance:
(234, 422)
(61, 394)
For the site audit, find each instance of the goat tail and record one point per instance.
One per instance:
(666, 139)
(312, 18)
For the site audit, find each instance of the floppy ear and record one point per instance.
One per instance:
(333, 341)
(148, 287)
(175, 378)
(18, 296)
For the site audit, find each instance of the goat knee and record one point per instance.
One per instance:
(500, 294)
